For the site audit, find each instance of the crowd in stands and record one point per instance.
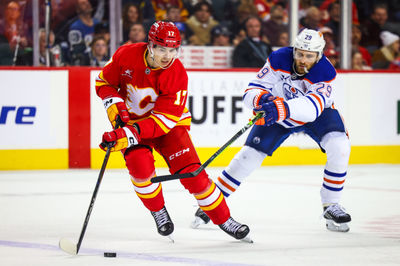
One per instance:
(80, 29)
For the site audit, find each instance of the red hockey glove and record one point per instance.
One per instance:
(120, 138)
(261, 98)
(116, 106)
(275, 111)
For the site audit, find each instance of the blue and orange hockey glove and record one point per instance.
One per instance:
(275, 111)
(261, 98)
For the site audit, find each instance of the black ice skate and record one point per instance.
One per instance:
(164, 224)
(237, 230)
(336, 218)
(200, 218)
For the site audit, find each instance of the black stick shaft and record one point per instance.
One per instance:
(96, 189)
(204, 165)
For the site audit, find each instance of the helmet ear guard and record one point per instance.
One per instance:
(310, 40)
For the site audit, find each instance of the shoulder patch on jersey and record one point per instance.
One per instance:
(323, 71)
(282, 59)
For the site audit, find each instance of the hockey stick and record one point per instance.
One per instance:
(65, 244)
(204, 165)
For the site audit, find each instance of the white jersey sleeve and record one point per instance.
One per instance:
(264, 81)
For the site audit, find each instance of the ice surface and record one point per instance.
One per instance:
(280, 204)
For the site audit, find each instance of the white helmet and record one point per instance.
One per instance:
(310, 40)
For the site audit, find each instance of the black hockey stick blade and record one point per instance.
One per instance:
(65, 244)
(162, 178)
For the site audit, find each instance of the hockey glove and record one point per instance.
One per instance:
(116, 106)
(259, 99)
(121, 138)
(275, 111)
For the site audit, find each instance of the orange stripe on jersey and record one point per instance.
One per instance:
(226, 184)
(249, 89)
(214, 205)
(208, 192)
(333, 181)
(298, 122)
(319, 101)
(327, 81)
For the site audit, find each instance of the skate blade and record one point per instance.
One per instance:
(197, 222)
(335, 227)
(247, 239)
(171, 238)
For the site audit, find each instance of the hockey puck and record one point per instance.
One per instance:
(110, 254)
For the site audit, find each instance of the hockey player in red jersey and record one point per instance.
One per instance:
(145, 84)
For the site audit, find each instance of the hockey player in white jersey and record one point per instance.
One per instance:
(294, 91)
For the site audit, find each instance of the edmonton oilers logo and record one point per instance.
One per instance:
(256, 140)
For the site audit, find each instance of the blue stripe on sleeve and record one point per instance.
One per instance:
(316, 108)
(231, 178)
(287, 123)
(335, 174)
(256, 85)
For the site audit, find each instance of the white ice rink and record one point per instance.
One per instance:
(280, 204)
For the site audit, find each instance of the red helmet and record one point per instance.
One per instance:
(165, 34)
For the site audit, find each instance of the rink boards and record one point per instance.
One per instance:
(52, 118)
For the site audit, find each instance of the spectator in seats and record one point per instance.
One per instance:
(325, 14)
(358, 62)
(224, 11)
(145, 10)
(312, 19)
(303, 6)
(137, 34)
(283, 39)
(334, 21)
(130, 15)
(382, 58)
(274, 26)
(55, 50)
(6, 56)
(55, 54)
(356, 36)
(328, 37)
(99, 52)
(201, 23)
(333, 57)
(220, 36)
(161, 6)
(174, 15)
(244, 10)
(81, 32)
(103, 30)
(252, 51)
(372, 28)
(98, 55)
(13, 27)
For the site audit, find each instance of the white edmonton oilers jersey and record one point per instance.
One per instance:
(307, 96)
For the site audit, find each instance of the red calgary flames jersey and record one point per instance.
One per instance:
(156, 98)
